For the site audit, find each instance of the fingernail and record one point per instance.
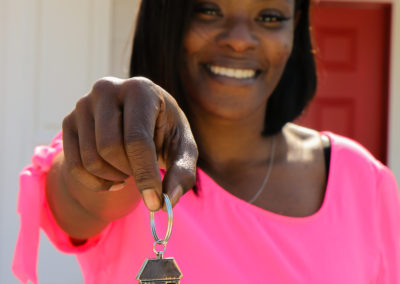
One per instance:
(117, 186)
(151, 199)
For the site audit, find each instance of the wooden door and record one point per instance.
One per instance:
(352, 45)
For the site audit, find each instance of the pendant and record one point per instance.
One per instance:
(160, 270)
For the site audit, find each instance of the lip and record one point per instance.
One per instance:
(235, 63)
(230, 81)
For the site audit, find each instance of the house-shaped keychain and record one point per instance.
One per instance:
(159, 271)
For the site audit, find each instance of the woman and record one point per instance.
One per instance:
(272, 203)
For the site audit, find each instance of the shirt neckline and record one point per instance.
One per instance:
(217, 189)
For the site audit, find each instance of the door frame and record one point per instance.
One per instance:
(393, 147)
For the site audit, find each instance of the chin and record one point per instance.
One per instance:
(227, 107)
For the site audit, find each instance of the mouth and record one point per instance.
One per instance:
(235, 73)
(243, 74)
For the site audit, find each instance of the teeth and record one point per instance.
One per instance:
(233, 73)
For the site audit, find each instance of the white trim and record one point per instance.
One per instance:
(394, 84)
(394, 93)
(3, 71)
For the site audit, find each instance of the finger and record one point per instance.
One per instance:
(91, 160)
(177, 181)
(73, 158)
(108, 127)
(140, 113)
(181, 172)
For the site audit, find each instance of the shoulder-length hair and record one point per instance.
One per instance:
(158, 48)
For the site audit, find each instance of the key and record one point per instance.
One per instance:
(160, 270)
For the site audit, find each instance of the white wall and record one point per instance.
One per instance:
(50, 54)
(123, 26)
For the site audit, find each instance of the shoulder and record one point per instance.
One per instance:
(344, 146)
(305, 145)
(352, 159)
(346, 153)
(303, 138)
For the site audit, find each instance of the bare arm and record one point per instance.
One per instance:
(88, 212)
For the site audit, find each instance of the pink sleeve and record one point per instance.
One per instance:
(35, 213)
(389, 219)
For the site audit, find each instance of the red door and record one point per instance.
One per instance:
(352, 44)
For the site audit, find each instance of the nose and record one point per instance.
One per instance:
(237, 36)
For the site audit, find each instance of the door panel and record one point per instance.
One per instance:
(352, 50)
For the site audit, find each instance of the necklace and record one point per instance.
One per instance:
(266, 178)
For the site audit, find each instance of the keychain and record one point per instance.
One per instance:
(160, 270)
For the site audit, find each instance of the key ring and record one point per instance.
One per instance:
(161, 252)
(169, 227)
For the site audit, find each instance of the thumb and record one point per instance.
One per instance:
(179, 179)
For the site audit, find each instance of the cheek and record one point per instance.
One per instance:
(195, 39)
(191, 49)
(190, 43)
(280, 51)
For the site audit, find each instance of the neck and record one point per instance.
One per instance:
(230, 145)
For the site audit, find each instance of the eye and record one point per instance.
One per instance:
(207, 10)
(271, 18)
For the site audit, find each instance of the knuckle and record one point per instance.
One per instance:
(67, 121)
(143, 178)
(136, 83)
(105, 89)
(139, 81)
(188, 178)
(105, 85)
(143, 85)
(81, 104)
(111, 153)
(170, 99)
(189, 143)
(91, 162)
(194, 150)
(107, 149)
(136, 143)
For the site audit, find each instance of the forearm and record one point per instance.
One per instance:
(80, 212)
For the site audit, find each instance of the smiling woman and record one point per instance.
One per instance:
(206, 118)
(161, 43)
(230, 43)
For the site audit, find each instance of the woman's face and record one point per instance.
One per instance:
(235, 52)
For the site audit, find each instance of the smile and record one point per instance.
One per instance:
(235, 73)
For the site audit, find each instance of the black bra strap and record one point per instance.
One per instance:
(327, 152)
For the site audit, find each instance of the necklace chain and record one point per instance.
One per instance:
(266, 178)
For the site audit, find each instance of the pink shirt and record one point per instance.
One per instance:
(217, 238)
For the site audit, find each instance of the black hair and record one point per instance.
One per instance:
(298, 83)
(158, 47)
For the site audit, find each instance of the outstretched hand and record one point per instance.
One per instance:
(128, 128)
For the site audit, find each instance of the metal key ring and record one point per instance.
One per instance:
(169, 227)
